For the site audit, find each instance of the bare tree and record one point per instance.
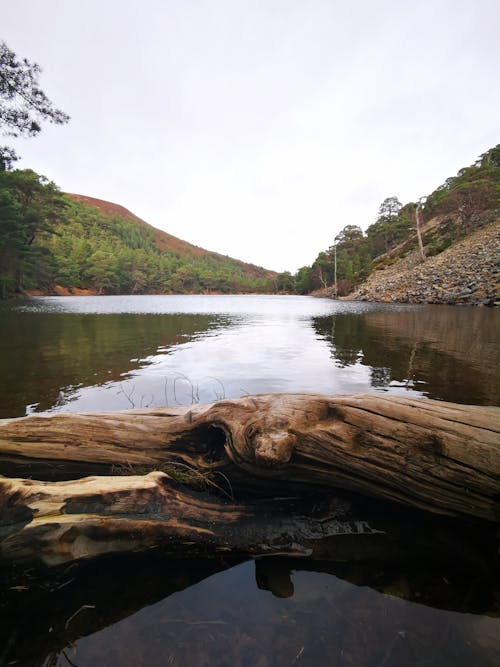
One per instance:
(418, 220)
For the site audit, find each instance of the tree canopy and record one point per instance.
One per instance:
(460, 201)
(389, 208)
(48, 239)
(30, 206)
(23, 104)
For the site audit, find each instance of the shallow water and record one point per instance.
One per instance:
(417, 601)
(271, 611)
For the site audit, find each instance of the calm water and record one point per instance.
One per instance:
(410, 605)
(113, 353)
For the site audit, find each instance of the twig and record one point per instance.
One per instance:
(298, 656)
(70, 661)
(219, 472)
(127, 396)
(84, 606)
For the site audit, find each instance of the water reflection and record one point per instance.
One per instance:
(47, 359)
(445, 353)
(114, 353)
(423, 593)
(147, 610)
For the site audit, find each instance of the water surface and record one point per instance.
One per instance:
(424, 601)
(95, 353)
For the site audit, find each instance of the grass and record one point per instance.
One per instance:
(207, 480)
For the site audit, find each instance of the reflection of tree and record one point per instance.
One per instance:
(89, 598)
(380, 377)
(449, 353)
(345, 334)
(70, 350)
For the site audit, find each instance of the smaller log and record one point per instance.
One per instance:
(61, 522)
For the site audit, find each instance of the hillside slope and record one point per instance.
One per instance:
(101, 246)
(458, 225)
(164, 240)
(468, 272)
(55, 243)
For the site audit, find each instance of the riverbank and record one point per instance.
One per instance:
(59, 290)
(467, 273)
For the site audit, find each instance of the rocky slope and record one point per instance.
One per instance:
(468, 272)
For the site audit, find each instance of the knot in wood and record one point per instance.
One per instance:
(273, 447)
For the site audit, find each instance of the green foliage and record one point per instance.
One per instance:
(389, 209)
(352, 259)
(462, 198)
(491, 158)
(30, 206)
(47, 238)
(23, 104)
(285, 282)
(389, 231)
(472, 191)
(303, 280)
(353, 256)
(115, 255)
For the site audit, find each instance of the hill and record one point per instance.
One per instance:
(468, 272)
(459, 225)
(162, 239)
(166, 242)
(73, 244)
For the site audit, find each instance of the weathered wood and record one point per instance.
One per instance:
(54, 523)
(437, 456)
(59, 522)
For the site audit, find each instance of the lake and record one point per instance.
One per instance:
(412, 605)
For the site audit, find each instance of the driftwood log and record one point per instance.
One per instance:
(59, 522)
(430, 455)
(437, 456)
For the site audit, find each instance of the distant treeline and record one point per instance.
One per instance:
(48, 239)
(458, 202)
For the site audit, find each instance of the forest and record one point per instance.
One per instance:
(459, 203)
(48, 238)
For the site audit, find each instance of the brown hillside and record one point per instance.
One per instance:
(163, 240)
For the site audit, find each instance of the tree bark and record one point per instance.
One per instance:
(436, 456)
(61, 522)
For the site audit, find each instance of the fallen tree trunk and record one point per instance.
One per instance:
(436, 456)
(60, 522)
(54, 523)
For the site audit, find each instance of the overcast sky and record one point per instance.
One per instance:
(260, 128)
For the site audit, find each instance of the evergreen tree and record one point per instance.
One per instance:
(30, 206)
(23, 104)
